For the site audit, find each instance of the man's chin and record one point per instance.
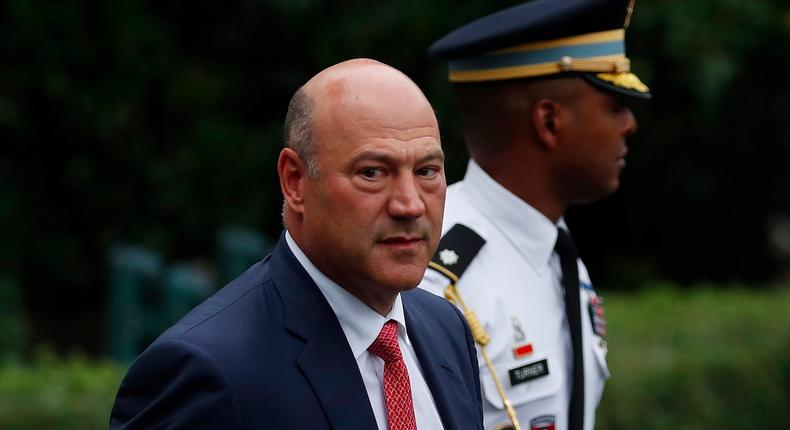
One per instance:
(404, 279)
(593, 195)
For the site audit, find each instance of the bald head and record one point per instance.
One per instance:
(347, 97)
(377, 196)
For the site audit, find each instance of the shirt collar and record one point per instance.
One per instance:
(360, 323)
(528, 230)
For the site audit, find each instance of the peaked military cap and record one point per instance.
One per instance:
(545, 38)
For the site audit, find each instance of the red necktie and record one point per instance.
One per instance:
(397, 390)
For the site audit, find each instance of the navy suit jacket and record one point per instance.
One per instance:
(267, 352)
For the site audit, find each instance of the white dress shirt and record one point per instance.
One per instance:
(361, 325)
(513, 285)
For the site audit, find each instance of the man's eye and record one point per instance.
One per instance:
(371, 172)
(619, 104)
(428, 172)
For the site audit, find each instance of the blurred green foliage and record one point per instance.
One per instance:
(57, 394)
(708, 359)
(158, 123)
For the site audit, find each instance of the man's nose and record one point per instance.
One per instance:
(405, 199)
(629, 123)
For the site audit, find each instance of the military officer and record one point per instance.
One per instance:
(542, 88)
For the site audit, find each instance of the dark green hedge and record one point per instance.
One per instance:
(57, 394)
(703, 360)
(698, 360)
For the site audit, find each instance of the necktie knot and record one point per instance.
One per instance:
(386, 344)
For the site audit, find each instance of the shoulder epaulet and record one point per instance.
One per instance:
(456, 250)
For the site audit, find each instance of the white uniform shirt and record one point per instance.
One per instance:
(361, 325)
(514, 287)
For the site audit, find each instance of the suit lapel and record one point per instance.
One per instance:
(326, 360)
(442, 377)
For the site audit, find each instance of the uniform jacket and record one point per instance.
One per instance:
(513, 286)
(267, 352)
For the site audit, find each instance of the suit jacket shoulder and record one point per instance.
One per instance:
(267, 351)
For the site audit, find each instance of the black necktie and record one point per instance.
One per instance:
(570, 280)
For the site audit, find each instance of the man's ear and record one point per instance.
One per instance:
(546, 117)
(292, 175)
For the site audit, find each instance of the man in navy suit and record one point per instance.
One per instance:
(328, 331)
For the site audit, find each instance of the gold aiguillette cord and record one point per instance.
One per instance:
(481, 337)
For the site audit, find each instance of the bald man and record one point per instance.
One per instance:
(328, 332)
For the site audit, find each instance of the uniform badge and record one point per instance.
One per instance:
(597, 315)
(518, 331)
(528, 372)
(521, 348)
(543, 422)
(521, 351)
(448, 257)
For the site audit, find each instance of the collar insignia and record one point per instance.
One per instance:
(448, 257)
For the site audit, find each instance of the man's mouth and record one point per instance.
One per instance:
(401, 241)
(620, 160)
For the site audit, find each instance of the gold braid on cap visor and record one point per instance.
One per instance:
(602, 52)
(628, 81)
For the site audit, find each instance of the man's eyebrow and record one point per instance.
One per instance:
(372, 156)
(436, 154)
